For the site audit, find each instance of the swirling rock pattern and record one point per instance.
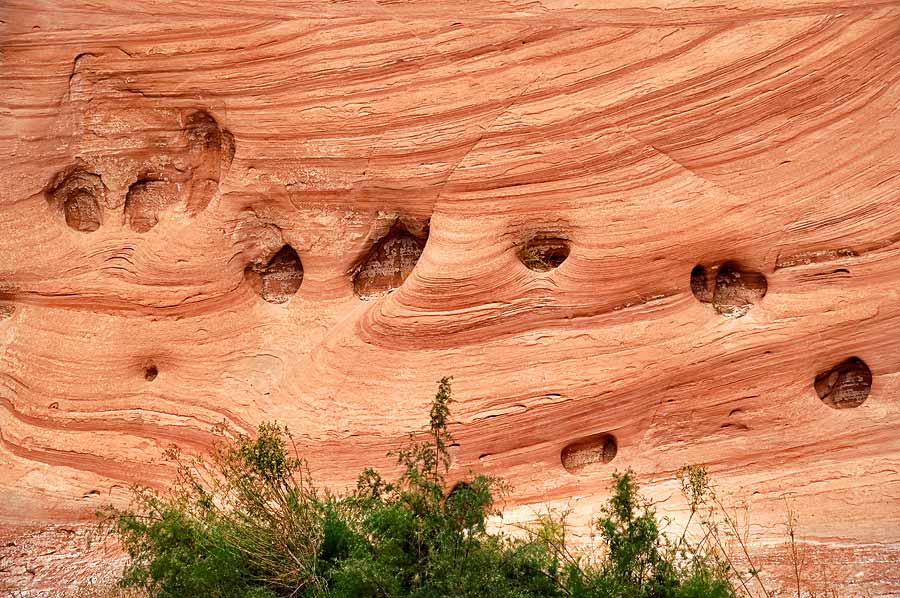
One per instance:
(652, 136)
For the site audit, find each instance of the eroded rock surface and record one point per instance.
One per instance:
(155, 167)
(180, 168)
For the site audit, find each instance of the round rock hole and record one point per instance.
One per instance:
(79, 194)
(543, 253)
(150, 373)
(389, 263)
(846, 385)
(598, 449)
(729, 288)
(280, 278)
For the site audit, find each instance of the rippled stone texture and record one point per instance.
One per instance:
(654, 136)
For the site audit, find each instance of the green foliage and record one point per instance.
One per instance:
(534, 260)
(695, 485)
(640, 561)
(251, 524)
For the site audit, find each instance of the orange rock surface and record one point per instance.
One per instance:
(203, 206)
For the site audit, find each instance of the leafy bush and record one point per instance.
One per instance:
(249, 523)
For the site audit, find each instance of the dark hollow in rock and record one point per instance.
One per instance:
(734, 291)
(79, 193)
(700, 285)
(544, 253)
(150, 373)
(846, 385)
(737, 290)
(82, 212)
(585, 452)
(390, 261)
(280, 278)
(145, 200)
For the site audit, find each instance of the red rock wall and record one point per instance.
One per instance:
(194, 195)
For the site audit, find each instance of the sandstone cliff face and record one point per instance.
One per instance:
(636, 233)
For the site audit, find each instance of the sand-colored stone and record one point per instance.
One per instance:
(653, 136)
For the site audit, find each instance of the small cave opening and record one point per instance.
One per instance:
(543, 253)
(151, 372)
(389, 262)
(82, 212)
(729, 288)
(700, 285)
(846, 385)
(598, 449)
(280, 278)
(79, 194)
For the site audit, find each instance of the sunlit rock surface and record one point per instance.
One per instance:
(311, 211)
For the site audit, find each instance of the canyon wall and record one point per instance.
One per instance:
(637, 233)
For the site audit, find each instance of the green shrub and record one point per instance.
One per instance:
(249, 523)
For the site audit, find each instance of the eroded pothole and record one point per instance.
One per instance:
(729, 288)
(280, 278)
(389, 263)
(846, 385)
(79, 194)
(543, 253)
(598, 449)
(185, 171)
